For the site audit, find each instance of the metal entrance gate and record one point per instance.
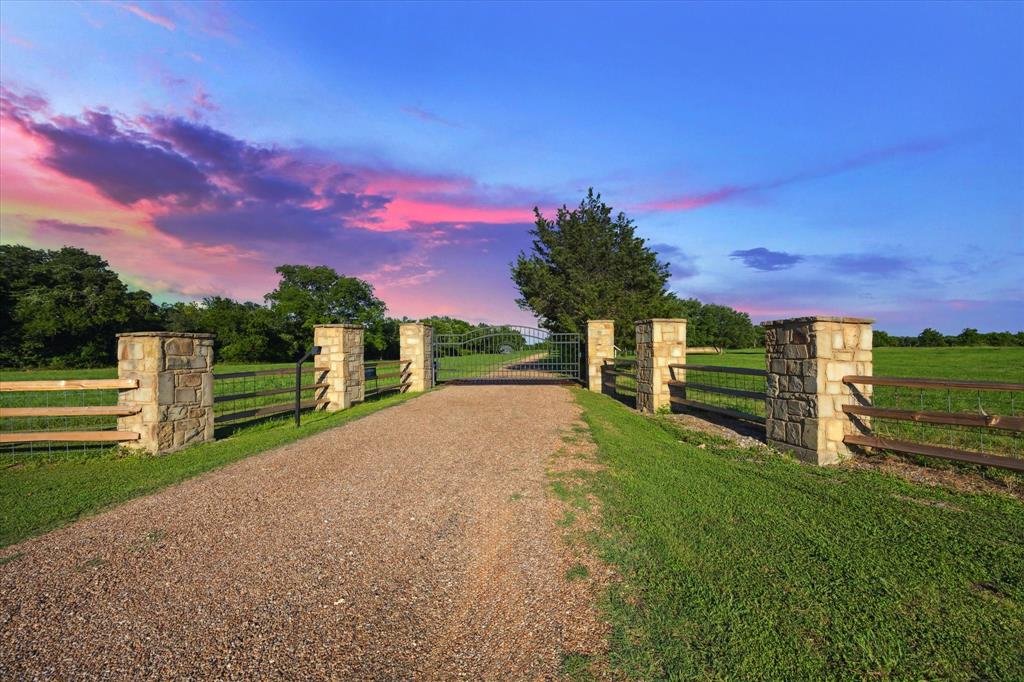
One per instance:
(507, 354)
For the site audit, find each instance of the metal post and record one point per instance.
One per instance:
(298, 382)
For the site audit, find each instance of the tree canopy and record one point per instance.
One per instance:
(310, 295)
(587, 264)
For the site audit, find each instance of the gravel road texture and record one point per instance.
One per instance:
(418, 542)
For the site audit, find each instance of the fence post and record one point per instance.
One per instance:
(175, 393)
(600, 347)
(807, 358)
(659, 343)
(340, 364)
(416, 346)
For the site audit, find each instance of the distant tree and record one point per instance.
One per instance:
(245, 332)
(881, 339)
(969, 337)
(447, 325)
(311, 295)
(931, 337)
(587, 264)
(63, 308)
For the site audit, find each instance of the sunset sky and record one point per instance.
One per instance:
(785, 159)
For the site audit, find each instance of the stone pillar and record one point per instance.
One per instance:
(659, 343)
(600, 346)
(340, 364)
(807, 358)
(416, 346)
(175, 393)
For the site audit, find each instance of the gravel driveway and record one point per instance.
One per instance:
(419, 541)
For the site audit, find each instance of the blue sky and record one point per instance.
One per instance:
(861, 159)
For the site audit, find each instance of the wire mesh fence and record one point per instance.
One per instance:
(383, 377)
(58, 422)
(241, 397)
(618, 379)
(724, 389)
(979, 417)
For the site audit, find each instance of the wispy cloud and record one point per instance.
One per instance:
(430, 117)
(691, 201)
(157, 19)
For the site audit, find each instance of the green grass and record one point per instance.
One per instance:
(975, 362)
(739, 564)
(36, 496)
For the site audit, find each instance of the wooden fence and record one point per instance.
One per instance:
(740, 391)
(45, 411)
(968, 427)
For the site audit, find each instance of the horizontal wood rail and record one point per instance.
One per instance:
(938, 451)
(91, 411)
(727, 370)
(735, 392)
(377, 363)
(619, 373)
(619, 361)
(387, 376)
(935, 417)
(68, 385)
(76, 436)
(735, 414)
(385, 389)
(256, 373)
(265, 392)
(267, 410)
(912, 382)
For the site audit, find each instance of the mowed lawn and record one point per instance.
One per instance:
(740, 564)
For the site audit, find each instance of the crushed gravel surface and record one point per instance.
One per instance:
(417, 542)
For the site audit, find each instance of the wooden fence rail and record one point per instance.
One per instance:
(11, 437)
(1013, 423)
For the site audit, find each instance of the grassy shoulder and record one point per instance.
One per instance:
(37, 496)
(740, 564)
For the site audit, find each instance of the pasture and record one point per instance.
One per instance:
(742, 564)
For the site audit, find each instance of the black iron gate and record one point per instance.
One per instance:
(507, 354)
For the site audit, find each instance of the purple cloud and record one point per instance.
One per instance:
(123, 166)
(71, 228)
(761, 258)
(869, 264)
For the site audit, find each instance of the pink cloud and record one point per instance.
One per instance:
(148, 16)
(187, 210)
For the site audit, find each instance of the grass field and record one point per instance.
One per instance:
(38, 495)
(737, 564)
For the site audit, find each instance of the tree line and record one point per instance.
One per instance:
(63, 308)
(932, 338)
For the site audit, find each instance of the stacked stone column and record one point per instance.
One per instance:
(416, 346)
(600, 347)
(807, 358)
(175, 393)
(659, 343)
(340, 364)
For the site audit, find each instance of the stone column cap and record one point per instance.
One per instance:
(415, 324)
(660, 319)
(818, 318)
(177, 335)
(342, 325)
